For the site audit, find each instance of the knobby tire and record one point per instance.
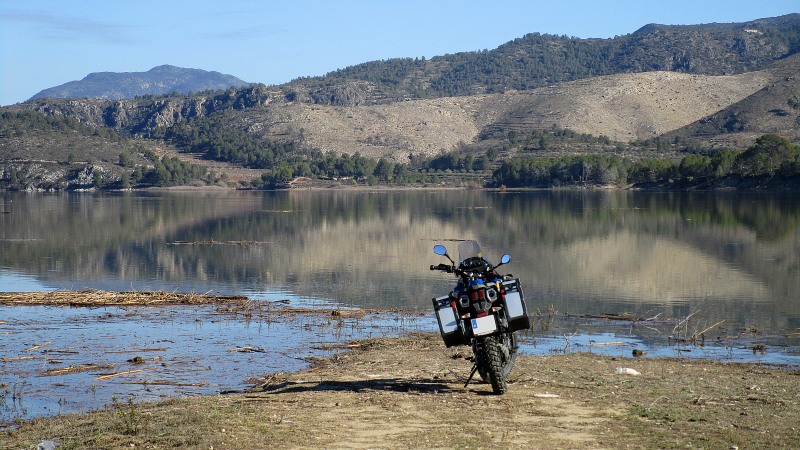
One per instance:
(508, 356)
(490, 359)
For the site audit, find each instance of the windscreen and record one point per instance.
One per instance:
(469, 249)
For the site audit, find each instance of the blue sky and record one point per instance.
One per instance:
(45, 43)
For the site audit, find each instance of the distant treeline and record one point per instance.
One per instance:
(537, 60)
(212, 138)
(18, 124)
(771, 155)
(215, 139)
(72, 174)
(602, 162)
(166, 171)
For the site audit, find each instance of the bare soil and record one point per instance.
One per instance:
(409, 392)
(624, 107)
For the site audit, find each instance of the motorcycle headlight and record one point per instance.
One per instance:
(463, 301)
(491, 294)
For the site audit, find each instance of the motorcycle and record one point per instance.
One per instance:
(484, 310)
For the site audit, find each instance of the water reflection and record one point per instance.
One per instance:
(725, 260)
(733, 255)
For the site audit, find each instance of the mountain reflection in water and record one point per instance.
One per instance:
(722, 256)
(689, 261)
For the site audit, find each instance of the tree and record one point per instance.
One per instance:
(722, 162)
(384, 169)
(766, 156)
(480, 164)
(125, 160)
(695, 166)
(400, 172)
(97, 178)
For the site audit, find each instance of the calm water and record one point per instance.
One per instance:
(688, 261)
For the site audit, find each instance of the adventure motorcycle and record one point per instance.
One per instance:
(483, 311)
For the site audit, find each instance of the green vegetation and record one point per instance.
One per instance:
(770, 156)
(215, 140)
(537, 60)
(602, 163)
(19, 124)
(212, 138)
(545, 158)
(167, 171)
(54, 168)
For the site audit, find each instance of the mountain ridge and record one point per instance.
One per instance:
(383, 110)
(159, 80)
(536, 60)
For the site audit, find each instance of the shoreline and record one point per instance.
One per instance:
(409, 392)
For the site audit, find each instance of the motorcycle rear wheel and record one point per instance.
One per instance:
(489, 357)
(508, 356)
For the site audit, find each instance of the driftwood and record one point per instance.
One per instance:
(75, 369)
(607, 317)
(16, 358)
(117, 374)
(605, 344)
(247, 350)
(107, 298)
(36, 347)
(213, 242)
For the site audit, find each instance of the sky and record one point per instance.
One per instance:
(46, 43)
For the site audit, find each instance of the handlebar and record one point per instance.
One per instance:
(453, 269)
(443, 268)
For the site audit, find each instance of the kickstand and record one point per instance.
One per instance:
(471, 374)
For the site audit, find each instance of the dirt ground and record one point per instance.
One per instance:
(409, 392)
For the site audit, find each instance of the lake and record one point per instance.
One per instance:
(680, 274)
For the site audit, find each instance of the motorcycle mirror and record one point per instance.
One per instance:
(440, 250)
(505, 259)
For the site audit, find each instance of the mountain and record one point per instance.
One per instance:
(662, 91)
(625, 107)
(537, 60)
(159, 80)
(773, 108)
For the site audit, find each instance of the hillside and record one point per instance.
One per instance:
(537, 60)
(624, 108)
(159, 80)
(300, 129)
(774, 108)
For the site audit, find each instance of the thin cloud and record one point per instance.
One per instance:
(245, 33)
(54, 27)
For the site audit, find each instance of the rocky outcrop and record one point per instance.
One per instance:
(142, 116)
(39, 176)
